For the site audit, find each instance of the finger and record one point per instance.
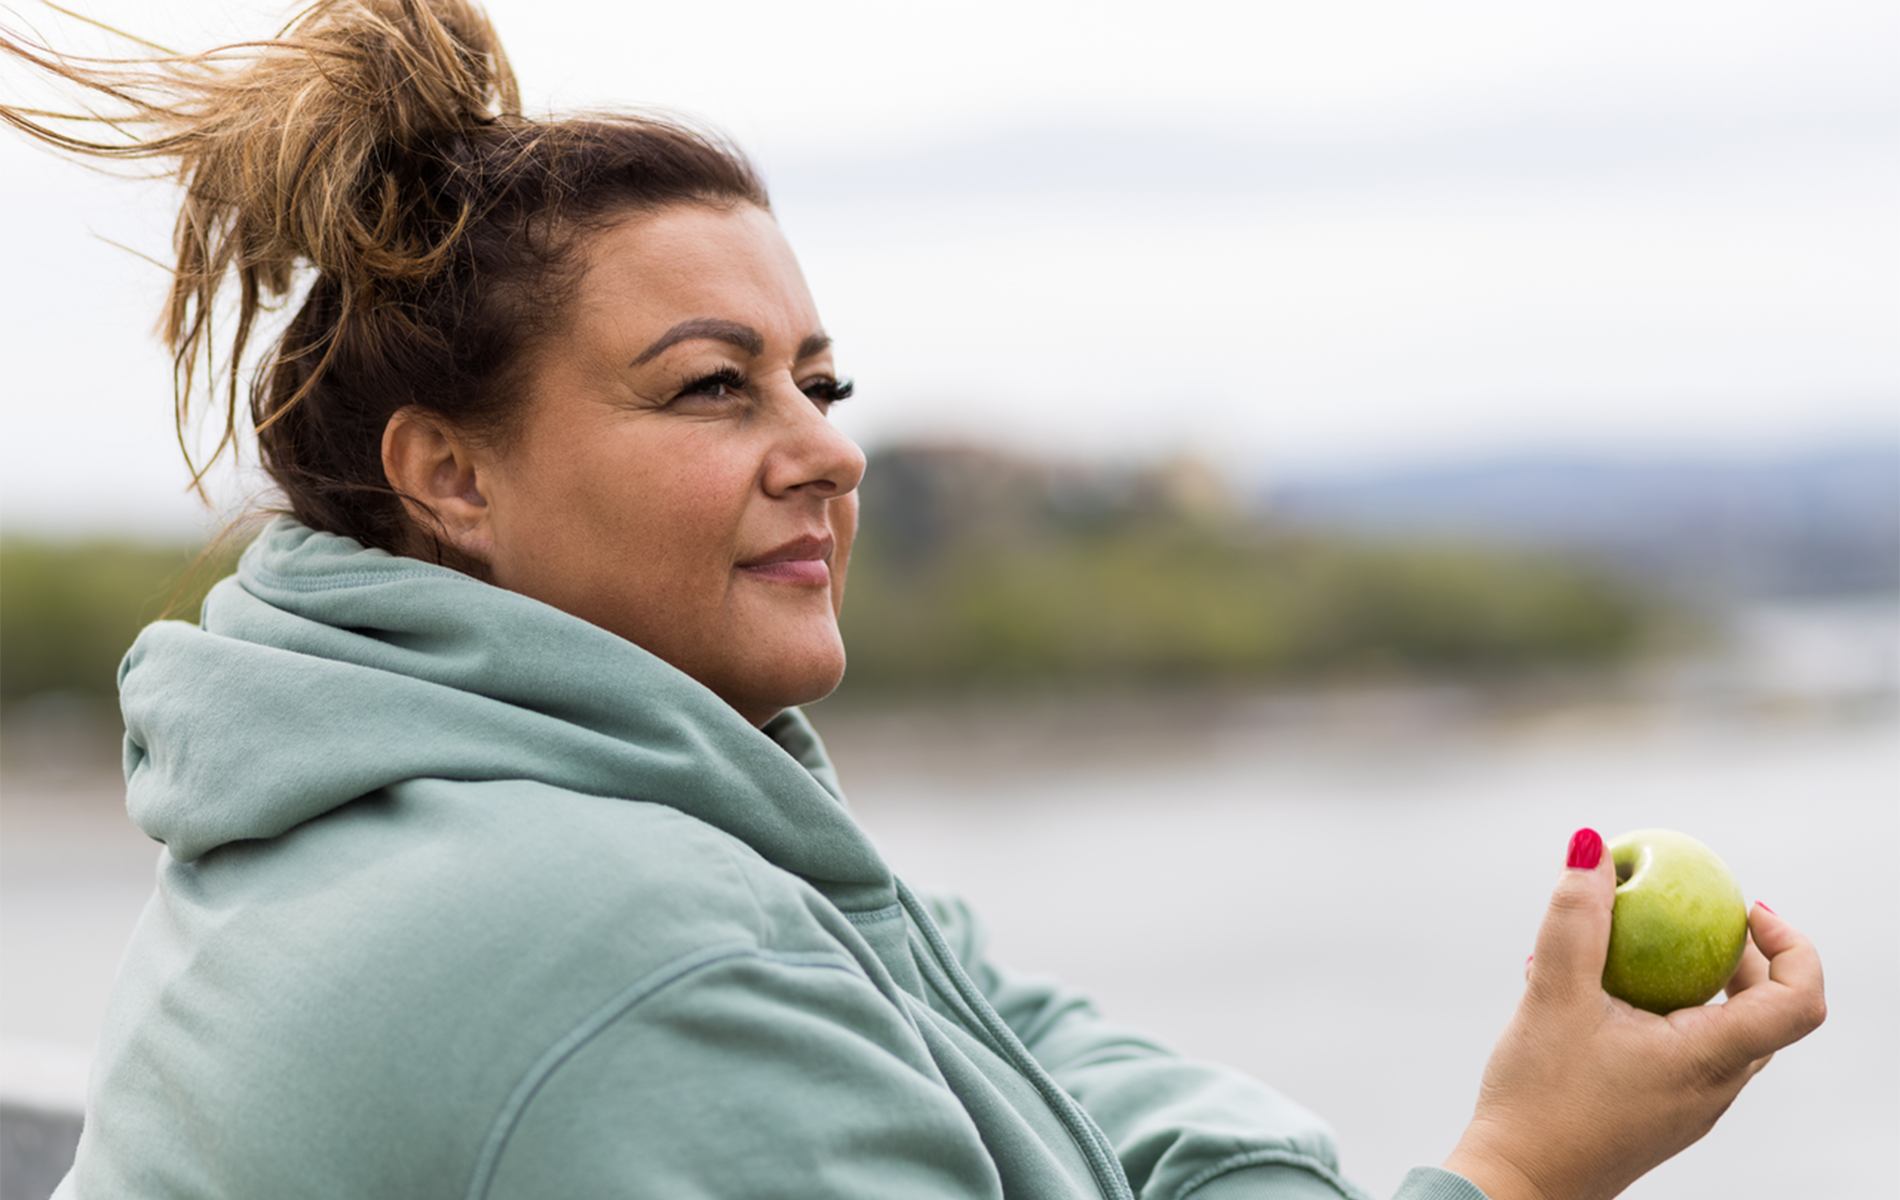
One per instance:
(1751, 971)
(1793, 961)
(1528, 960)
(1775, 936)
(1790, 1004)
(1575, 934)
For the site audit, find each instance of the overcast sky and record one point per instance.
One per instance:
(1288, 236)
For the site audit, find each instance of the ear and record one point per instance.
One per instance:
(439, 474)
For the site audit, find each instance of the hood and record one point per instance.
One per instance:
(323, 671)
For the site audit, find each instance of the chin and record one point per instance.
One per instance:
(820, 681)
(787, 681)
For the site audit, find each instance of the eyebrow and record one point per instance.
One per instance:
(705, 328)
(732, 333)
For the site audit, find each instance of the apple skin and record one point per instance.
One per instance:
(1680, 922)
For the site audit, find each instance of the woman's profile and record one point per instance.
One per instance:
(499, 860)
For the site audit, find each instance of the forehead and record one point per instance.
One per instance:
(696, 261)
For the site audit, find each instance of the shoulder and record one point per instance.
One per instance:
(508, 904)
(440, 963)
(546, 873)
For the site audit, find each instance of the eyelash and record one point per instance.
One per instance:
(728, 377)
(823, 390)
(828, 391)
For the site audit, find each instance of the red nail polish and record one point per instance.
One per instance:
(1769, 909)
(1586, 850)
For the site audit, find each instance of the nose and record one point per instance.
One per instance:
(809, 454)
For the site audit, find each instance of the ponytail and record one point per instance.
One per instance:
(374, 158)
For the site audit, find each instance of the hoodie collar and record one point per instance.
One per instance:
(323, 671)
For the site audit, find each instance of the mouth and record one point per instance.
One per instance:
(803, 560)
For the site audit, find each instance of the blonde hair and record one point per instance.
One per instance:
(377, 150)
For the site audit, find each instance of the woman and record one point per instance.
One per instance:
(499, 860)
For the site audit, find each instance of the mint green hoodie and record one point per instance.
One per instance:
(465, 897)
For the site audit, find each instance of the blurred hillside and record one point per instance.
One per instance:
(977, 568)
(1824, 523)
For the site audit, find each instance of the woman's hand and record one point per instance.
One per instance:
(1583, 1093)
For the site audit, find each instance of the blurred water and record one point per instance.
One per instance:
(1338, 900)
(1348, 919)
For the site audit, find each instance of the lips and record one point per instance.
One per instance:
(803, 560)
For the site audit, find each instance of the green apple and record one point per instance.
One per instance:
(1680, 922)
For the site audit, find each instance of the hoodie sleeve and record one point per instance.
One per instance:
(1181, 1128)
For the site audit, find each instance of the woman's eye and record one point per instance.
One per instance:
(726, 383)
(826, 391)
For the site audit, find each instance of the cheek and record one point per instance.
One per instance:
(617, 530)
(660, 538)
(844, 531)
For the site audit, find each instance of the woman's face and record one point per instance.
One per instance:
(675, 478)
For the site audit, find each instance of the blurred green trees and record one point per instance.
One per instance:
(975, 569)
(1166, 604)
(69, 610)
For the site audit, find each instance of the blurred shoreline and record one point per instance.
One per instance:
(1774, 668)
(1781, 666)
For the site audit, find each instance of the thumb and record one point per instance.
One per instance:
(1575, 936)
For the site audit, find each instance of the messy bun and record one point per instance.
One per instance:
(374, 156)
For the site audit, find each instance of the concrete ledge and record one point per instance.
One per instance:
(42, 1105)
(36, 1149)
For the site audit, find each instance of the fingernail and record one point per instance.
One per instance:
(1765, 906)
(1586, 850)
(1527, 959)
